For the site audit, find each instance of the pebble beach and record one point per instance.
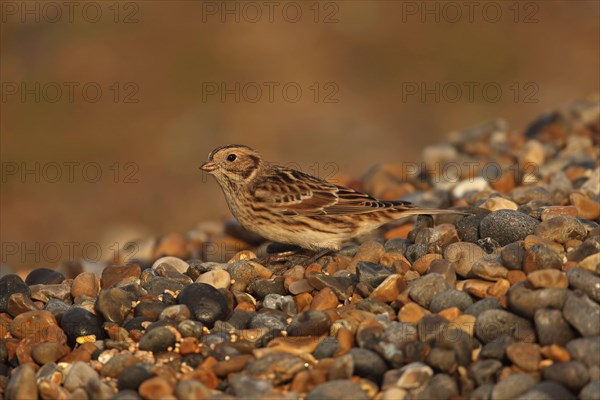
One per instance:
(500, 303)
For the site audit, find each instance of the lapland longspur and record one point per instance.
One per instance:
(288, 206)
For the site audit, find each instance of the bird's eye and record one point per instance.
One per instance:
(231, 157)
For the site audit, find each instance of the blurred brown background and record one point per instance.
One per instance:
(140, 92)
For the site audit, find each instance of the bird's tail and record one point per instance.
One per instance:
(404, 209)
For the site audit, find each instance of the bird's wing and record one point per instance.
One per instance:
(292, 192)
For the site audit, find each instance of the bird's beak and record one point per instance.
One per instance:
(208, 166)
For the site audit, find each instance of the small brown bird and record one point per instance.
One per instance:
(288, 206)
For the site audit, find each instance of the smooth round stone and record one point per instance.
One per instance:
(177, 313)
(158, 285)
(547, 278)
(586, 350)
(241, 273)
(368, 364)
(337, 389)
(587, 248)
(309, 323)
(463, 255)
(414, 375)
(275, 367)
(178, 264)
(561, 229)
(271, 320)
(497, 347)
(425, 288)
(370, 251)
(513, 255)
(157, 340)
(490, 303)
(450, 298)
(206, 303)
(37, 325)
(582, 313)
(493, 323)
(85, 284)
(219, 278)
(114, 304)
(440, 386)
(526, 301)
(78, 375)
(155, 388)
(526, 356)
(127, 395)
(552, 328)
(117, 363)
(44, 276)
(247, 387)
(77, 322)
(540, 257)
(48, 352)
(513, 386)
(585, 281)
(547, 390)
(441, 359)
(485, 371)
(507, 226)
(9, 285)
(191, 389)
(489, 267)
(371, 273)
(190, 329)
(326, 348)
(22, 384)
(149, 309)
(132, 376)
(573, 375)
(591, 391)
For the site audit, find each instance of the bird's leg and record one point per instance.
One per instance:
(316, 256)
(284, 255)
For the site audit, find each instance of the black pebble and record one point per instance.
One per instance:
(77, 321)
(44, 276)
(205, 302)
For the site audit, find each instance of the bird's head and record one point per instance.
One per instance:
(233, 164)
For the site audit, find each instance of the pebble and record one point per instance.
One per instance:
(586, 350)
(489, 267)
(371, 273)
(424, 289)
(114, 304)
(217, 278)
(275, 367)
(309, 323)
(585, 281)
(9, 285)
(526, 356)
(156, 388)
(586, 207)
(552, 328)
(573, 375)
(85, 284)
(117, 273)
(493, 323)
(512, 386)
(526, 302)
(547, 278)
(78, 375)
(547, 390)
(463, 255)
(450, 298)
(342, 389)
(22, 384)
(176, 263)
(206, 303)
(368, 364)
(77, 322)
(44, 276)
(561, 229)
(48, 352)
(507, 226)
(582, 313)
(591, 391)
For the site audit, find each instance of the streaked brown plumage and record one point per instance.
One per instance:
(289, 206)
